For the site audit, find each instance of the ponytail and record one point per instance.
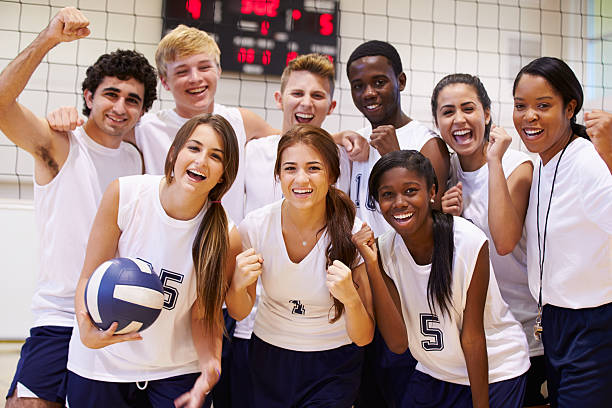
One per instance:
(439, 290)
(578, 129)
(340, 217)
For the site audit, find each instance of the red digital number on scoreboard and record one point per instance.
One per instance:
(260, 7)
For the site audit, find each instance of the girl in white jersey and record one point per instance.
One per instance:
(313, 306)
(176, 224)
(491, 191)
(432, 293)
(569, 234)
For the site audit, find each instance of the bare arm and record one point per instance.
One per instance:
(254, 125)
(599, 129)
(241, 294)
(102, 246)
(353, 290)
(386, 301)
(18, 123)
(208, 347)
(508, 199)
(473, 339)
(437, 153)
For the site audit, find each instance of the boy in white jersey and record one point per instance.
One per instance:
(71, 170)
(374, 71)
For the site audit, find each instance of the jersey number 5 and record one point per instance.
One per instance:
(435, 342)
(170, 292)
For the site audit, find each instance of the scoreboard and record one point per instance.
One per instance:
(260, 36)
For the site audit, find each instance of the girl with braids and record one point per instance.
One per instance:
(569, 233)
(495, 182)
(176, 224)
(432, 293)
(315, 309)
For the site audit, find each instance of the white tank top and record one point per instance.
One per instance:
(411, 136)
(578, 258)
(64, 211)
(434, 339)
(148, 233)
(295, 306)
(156, 131)
(511, 269)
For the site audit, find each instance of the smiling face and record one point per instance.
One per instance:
(306, 98)
(116, 105)
(199, 163)
(303, 176)
(405, 201)
(376, 90)
(540, 116)
(462, 119)
(193, 83)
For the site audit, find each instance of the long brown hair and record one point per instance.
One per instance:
(339, 209)
(211, 244)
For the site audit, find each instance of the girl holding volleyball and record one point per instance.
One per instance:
(176, 224)
(430, 279)
(315, 309)
(569, 232)
(492, 191)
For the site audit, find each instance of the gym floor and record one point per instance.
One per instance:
(9, 355)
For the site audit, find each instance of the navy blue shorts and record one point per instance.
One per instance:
(241, 384)
(221, 394)
(42, 364)
(385, 375)
(84, 392)
(536, 379)
(578, 350)
(424, 391)
(286, 378)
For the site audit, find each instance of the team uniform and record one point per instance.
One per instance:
(441, 377)
(385, 373)
(64, 211)
(511, 269)
(166, 356)
(297, 356)
(156, 131)
(577, 273)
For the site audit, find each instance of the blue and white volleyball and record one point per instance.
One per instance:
(126, 291)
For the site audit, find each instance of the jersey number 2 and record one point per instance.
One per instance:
(435, 342)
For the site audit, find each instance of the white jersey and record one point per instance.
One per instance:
(156, 131)
(294, 308)
(578, 257)
(260, 184)
(64, 211)
(435, 339)
(166, 348)
(411, 136)
(511, 269)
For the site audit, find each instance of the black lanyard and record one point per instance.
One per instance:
(542, 247)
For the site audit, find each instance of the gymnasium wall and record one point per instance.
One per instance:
(491, 38)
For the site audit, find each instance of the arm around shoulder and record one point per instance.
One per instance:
(255, 126)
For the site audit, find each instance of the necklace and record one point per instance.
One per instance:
(537, 328)
(304, 242)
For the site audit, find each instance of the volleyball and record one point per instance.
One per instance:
(126, 291)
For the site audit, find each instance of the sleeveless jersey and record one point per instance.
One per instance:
(64, 211)
(411, 136)
(578, 257)
(148, 233)
(156, 131)
(434, 339)
(510, 270)
(295, 306)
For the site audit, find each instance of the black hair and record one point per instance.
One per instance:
(373, 48)
(466, 79)
(563, 80)
(439, 290)
(122, 64)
